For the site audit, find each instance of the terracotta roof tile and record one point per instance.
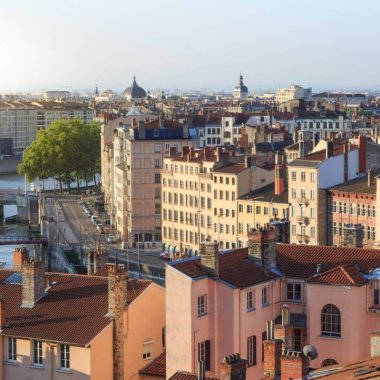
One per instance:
(231, 168)
(73, 310)
(234, 268)
(182, 375)
(157, 367)
(300, 261)
(342, 275)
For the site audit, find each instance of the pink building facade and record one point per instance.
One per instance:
(217, 304)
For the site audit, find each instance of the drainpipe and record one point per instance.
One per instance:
(272, 296)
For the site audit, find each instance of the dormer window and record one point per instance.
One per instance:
(376, 298)
(156, 133)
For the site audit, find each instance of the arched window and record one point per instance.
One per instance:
(330, 321)
(328, 362)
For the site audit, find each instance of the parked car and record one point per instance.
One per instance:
(89, 213)
(94, 218)
(100, 228)
(165, 256)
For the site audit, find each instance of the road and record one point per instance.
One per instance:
(72, 226)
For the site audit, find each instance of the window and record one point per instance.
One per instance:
(12, 350)
(376, 298)
(294, 176)
(249, 209)
(163, 337)
(202, 306)
(294, 193)
(157, 178)
(312, 232)
(37, 352)
(294, 229)
(297, 340)
(64, 356)
(328, 362)
(250, 301)
(303, 176)
(204, 354)
(330, 321)
(147, 350)
(294, 292)
(157, 163)
(157, 148)
(312, 177)
(251, 350)
(264, 296)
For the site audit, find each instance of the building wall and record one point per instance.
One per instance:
(354, 341)
(144, 323)
(179, 331)
(102, 354)
(79, 363)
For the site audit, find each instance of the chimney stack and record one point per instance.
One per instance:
(117, 300)
(272, 357)
(33, 282)
(262, 248)
(233, 368)
(329, 149)
(210, 257)
(279, 175)
(294, 365)
(90, 262)
(370, 177)
(362, 154)
(141, 129)
(20, 255)
(185, 151)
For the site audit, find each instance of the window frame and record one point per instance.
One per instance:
(251, 351)
(11, 350)
(202, 305)
(37, 353)
(64, 357)
(291, 291)
(331, 324)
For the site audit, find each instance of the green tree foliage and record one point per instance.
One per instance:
(68, 150)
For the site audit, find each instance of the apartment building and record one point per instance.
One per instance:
(59, 326)
(293, 92)
(200, 191)
(20, 120)
(308, 179)
(308, 293)
(352, 204)
(139, 149)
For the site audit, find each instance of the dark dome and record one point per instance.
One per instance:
(134, 92)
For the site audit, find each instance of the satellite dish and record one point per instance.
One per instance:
(310, 352)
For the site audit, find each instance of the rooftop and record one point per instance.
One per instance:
(157, 367)
(357, 186)
(266, 194)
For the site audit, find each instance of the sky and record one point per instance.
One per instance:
(188, 44)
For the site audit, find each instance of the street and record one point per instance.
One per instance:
(71, 226)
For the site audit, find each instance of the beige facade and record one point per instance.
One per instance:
(259, 208)
(200, 198)
(20, 120)
(134, 189)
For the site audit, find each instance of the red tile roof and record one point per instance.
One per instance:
(231, 168)
(300, 261)
(182, 375)
(234, 268)
(321, 154)
(343, 275)
(157, 367)
(72, 311)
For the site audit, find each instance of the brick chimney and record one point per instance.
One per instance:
(185, 151)
(329, 149)
(20, 255)
(233, 368)
(2, 314)
(279, 175)
(117, 301)
(141, 129)
(33, 282)
(362, 154)
(210, 257)
(90, 263)
(262, 248)
(294, 365)
(353, 235)
(272, 357)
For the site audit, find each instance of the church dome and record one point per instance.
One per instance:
(134, 92)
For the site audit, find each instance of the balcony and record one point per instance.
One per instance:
(303, 238)
(302, 219)
(303, 201)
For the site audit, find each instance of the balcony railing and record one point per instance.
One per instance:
(303, 201)
(302, 219)
(303, 238)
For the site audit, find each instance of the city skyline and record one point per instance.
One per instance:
(188, 46)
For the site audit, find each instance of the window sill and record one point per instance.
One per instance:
(329, 337)
(37, 366)
(64, 370)
(202, 315)
(8, 362)
(265, 305)
(250, 310)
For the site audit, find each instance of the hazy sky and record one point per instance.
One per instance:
(188, 43)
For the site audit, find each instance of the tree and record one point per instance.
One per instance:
(67, 150)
